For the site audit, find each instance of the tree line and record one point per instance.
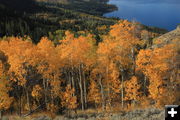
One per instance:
(79, 73)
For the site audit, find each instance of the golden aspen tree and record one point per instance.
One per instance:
(68, 100)
(5, 99)
(118, 47)
(114, 80)
(107, 77)
(97, 75)
(132, 88)
(112, 83)
(122, 35)
(77, 54)
(94, 94)
(175, 71)
(48, 65)
(76, 72)
(17, 61)
(155, 64)
(15, 48)
(37, 93)
(105, 56)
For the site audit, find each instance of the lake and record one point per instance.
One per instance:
(159, 13)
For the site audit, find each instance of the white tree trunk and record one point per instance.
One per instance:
(0, 114)
(81, 89)
(102, 94)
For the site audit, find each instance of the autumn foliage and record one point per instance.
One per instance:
(78, 73)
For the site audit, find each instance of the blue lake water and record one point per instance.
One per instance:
(159, 13)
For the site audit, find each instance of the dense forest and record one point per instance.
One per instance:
(116, 74)
(63, 56)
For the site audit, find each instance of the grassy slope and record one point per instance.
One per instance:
(167, 38)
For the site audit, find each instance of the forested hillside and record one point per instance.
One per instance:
(78, 74)
(52, 19)
(21, 18)
(62, 57)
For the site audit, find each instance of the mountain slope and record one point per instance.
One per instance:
(167, 38)
(20, 17)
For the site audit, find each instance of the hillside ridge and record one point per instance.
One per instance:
(167, 37)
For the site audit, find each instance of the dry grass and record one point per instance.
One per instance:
(91, 114)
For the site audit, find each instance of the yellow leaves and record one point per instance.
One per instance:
(143, 59)
(156, 65)
(77, 60)
(117, 45)
(68, 100)
(56, 89)
(47, 53)
(123, 32)
(94, 93)
(37, 91)
(161, 57)
(124, 26)
(101, 28)
(154, 60)
(5, 99)
(52, 107)
(114, 81)
(46, 47)
(1, 69)
(75, 51)
(115, 52)
(132, 88)
(15, 49)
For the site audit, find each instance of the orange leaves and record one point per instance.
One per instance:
(47, 53)
(76, 50)
(56, 89)
(154, 60)
(115, 55)
(77, 63)
(132, 88)
(68, 100)
(46, 49)
(37, 92)
(113, 80)
(94, 93)
(123, 32)
(16, 49)
(52, 107)
(143, 59)
(5, 99)
(118, 44)
(1, 68)
(155, 64)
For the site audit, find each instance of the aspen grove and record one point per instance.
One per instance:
(78, 73)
